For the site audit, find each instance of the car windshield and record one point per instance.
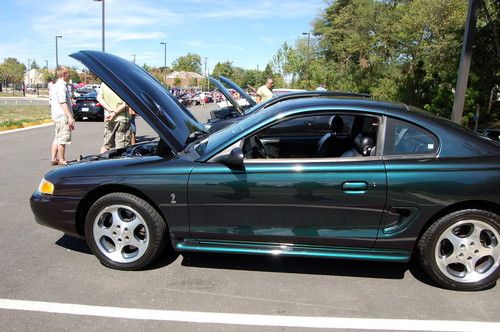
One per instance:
(215, 140)
(253, 108)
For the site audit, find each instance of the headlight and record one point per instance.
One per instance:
(46, 187)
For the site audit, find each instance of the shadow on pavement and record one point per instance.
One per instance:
(73, 244)
(301, 265)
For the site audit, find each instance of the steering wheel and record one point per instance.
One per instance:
(261, 149)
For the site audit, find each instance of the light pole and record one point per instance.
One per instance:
(134, 57)
(465, 59)
(57, 55)
(102, 1)
(28, 76)
(164, 54)
(308, 34)
(164, 60)
(47, 64)
(206, 74)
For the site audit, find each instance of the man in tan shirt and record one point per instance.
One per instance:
(116, 119)
(265, 92)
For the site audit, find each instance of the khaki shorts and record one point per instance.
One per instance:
(116, 134)
(62, 131)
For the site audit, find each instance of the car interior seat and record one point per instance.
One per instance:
(327, 146)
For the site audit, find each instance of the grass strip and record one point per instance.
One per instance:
(13, 116)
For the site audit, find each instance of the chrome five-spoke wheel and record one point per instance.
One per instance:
(468, 251)
(124, 231)
(121, 233)
(461, 250)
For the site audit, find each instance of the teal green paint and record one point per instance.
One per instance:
(396, 256)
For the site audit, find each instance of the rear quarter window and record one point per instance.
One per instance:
(404, 138)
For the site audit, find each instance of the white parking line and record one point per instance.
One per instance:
(249, 319)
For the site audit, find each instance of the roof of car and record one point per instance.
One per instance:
(322, 101)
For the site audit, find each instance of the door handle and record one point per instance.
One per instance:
(355, 187)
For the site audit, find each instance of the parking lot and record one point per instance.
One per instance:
(57, 284)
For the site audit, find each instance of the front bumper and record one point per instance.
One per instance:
(58, 212)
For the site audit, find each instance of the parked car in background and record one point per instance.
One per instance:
(493, 134)
(282, 91)
(88, 108)
(372, 180)
(82, 91)
(226, 116)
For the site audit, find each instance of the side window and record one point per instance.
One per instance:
(404, 138)
(324, 135)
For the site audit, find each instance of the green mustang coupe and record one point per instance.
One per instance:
(323, 177)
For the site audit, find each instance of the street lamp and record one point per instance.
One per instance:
(102, 1)
(28, 77)
(47, 64)
(308, 34)
(57, 55)
(164, 54)
(134, 57)
(164, 59)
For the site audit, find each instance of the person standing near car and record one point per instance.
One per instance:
(116, 119)
(265, 92)
(62, 115)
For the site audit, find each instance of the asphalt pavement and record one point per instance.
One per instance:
(43, 267)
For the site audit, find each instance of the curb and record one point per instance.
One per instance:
(26, 128)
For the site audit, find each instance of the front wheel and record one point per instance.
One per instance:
(124, 232)
(461, 251)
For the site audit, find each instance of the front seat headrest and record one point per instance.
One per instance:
(364, 144)
(336, 124)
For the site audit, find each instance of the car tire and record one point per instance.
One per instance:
(461, 251)
(125, 232)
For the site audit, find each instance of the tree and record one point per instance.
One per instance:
(224, 69)
(189, 62)
(12, 71)
(34, 65)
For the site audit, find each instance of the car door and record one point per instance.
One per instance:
(330, 201)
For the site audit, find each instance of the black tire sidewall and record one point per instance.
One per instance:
(429, 241)
(155, 224)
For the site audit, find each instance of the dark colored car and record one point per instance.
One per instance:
(370, 181)
(226, 116)
(493, 134)
(87, 107)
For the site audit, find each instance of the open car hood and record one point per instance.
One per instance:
(226, 94)
(238, 89)
(145, 95)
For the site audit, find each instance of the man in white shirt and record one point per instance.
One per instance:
(62, 115)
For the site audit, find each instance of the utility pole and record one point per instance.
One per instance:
(206, 74)
(308, 34)
(164, 60)
(134, 57)
(47, 64)
(102, 1)
(57, 56)
(463, 71)
(28, 72)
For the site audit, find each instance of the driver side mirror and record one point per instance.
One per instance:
(233, 160)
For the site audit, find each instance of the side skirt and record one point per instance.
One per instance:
(286, 249)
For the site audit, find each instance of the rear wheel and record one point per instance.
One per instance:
(124, 232)
(461, 251)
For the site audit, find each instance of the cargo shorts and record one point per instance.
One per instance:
(116, 134)
(62, 131)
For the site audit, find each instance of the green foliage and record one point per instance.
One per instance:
(398, 50)
(223, 69)
(12, 70)
(34, 65)
(189, 62)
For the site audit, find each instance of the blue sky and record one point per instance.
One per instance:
(247, 33)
